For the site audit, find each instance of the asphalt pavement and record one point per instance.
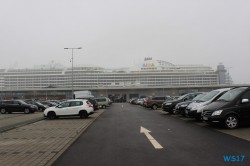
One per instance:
(115, 140)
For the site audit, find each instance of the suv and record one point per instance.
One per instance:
(230, 109)
(17, 106)
(156, 102)
(82, 108)
(103, 102)
(169, 106)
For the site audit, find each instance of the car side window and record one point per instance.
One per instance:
(16, 102)
(219, 95)
(65, 104)
(75, 103)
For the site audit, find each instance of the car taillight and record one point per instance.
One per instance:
(90, 105)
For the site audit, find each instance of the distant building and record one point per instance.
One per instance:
(223, 74)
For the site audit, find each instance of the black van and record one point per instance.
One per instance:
(230, 109)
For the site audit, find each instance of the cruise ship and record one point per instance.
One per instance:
(149, 74)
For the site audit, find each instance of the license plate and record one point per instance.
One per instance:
(205, 118)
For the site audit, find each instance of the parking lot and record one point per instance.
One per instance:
(117, 139)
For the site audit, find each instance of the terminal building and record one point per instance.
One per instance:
(151, 77)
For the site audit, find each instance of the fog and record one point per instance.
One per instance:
(116, 33)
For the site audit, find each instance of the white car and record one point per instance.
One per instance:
(78, 107)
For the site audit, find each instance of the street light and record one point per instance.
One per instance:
(72, 69)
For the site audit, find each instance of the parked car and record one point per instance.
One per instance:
(9, 106)
(168, 106)
(156, 102)
(180, 107)
(133, 100)
(41, 107)
(48, 103)
(194, 109)
(77, 107)
(94, 103)
(103, 102)
(231, 109)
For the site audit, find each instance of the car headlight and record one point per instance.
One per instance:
(168, 103)
(217, 112)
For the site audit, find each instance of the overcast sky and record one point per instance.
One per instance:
(120, 33)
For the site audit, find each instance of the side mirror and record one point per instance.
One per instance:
(185, 99)
(244, 101)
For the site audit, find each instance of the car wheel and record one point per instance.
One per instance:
(154, 107)
(51, 115)
(104, 106)
(83, 114)
(231, 121)
(26, 111)
(3, 111)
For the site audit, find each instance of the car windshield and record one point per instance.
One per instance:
(231, 95)
(181, 97)
(209, 96)
(199, 97)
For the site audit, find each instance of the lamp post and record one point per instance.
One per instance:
(72, 69)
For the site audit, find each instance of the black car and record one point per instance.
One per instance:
(169, 106)
(180, 107)
(41, 107)
(9, 106)
(230, 109)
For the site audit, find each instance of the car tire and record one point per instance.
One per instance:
(26, 111)
(154, 107)
(231, 121)
(51, 115)
(83, 114)
(3, 111)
